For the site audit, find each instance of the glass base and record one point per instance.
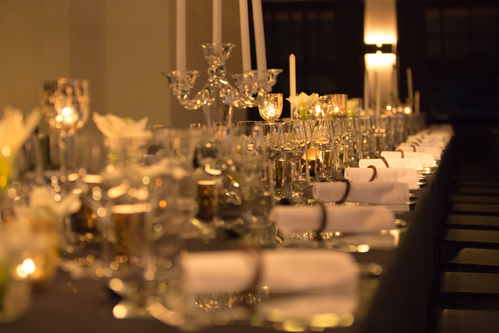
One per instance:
(196, 229)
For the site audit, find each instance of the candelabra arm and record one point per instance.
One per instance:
(181, 84)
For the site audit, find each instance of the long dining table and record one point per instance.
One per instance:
(395, 299)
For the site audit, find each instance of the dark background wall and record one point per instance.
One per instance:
(452, 47)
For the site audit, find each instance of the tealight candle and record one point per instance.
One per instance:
(271, 107)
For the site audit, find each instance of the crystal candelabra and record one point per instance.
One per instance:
(218, 98)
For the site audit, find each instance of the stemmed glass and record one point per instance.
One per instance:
(183, 187)
(366, 137)
(65, 105)
(390, 132)
(295, 145)
(350, 143)
(322, 138)
(379, 125)
(338, 144)
(274, 145)
(83, 238)
(249, 157)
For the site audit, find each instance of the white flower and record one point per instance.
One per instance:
(42, 219)
(43, 197)
(14, 131)
(303, 103)
(163, 167)
(115, 127)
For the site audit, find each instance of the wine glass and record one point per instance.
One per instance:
(350, 144)
(274, 145)
(184, 186)
(380, 129)
(338, 145)
(65, 105)
(295, 144)
(322, 141)
(82, 234)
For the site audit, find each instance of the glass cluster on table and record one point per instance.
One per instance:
(142, 194)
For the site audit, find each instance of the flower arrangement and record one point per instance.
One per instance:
(14, 131)
(303, 103)
(115, 127)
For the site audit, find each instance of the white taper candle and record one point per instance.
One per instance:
(416, 102)
(378, 94)
(217, 21)
(410, 95)
(245, 39)
(395, 90)
(292, 75)
(366, 92)
(261, 58)
(181, 62)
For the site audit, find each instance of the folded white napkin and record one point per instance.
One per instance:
(392, 163)
(428, 143)
(306, 306)
(375, 193)
(408, 176)
(298, 219)
(426, 159)
(375, 241)
(435, 152)
(290, 270)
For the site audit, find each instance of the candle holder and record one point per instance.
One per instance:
(335, 105)
(270, 107)
(217, 97)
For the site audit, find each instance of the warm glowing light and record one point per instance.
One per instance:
(66, 111)
(101, 211)
(119, 311)
(325, 320)
(380, 22)
(116, 284)
(407, 110)
(93, 179)
(396, 236)
(27, 268)
(318, 110)
(72, 177)
(207, 182)
(378, 60)
(363, 248)
(6, 151)
(119, 190)
(271, 107)
(162, 204)
(128, 209)
(380, 65)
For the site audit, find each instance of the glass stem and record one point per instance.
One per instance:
(63, 163)
(271, 183)
(293, 174)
